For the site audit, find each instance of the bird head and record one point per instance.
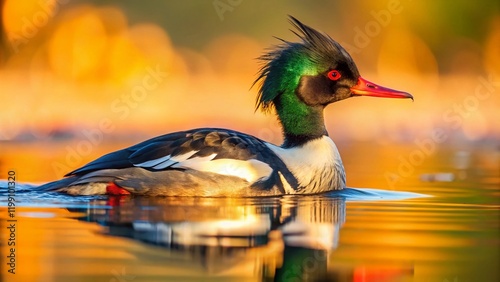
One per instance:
(314, 72)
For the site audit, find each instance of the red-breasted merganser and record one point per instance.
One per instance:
(299, 79)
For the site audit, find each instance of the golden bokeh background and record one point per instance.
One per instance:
(81, 78)
(111, 73)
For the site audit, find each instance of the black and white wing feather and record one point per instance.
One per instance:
(212, 150)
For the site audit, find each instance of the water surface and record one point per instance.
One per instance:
(355, 235)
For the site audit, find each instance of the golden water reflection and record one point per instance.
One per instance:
(272, 239)
(453, 234)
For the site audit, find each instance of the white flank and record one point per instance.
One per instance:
(307, 161)
(250, 170)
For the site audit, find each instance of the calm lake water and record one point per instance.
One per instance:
(356, 235)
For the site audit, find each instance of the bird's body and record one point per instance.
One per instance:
(211, 162)
(299, 81)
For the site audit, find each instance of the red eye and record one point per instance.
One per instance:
(334, 75)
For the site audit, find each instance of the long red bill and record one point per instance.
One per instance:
(367, 88)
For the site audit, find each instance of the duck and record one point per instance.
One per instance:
(298, 80)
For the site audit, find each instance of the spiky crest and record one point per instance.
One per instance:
(284, 64)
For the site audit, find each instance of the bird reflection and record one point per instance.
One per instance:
(282, 238)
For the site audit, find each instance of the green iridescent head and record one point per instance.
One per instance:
(317, 70)
(299, 79)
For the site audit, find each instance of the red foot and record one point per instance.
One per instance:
(113, 189)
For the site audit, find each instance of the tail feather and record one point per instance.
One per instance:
(100, 176)
(57, 185)
(104, 175)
